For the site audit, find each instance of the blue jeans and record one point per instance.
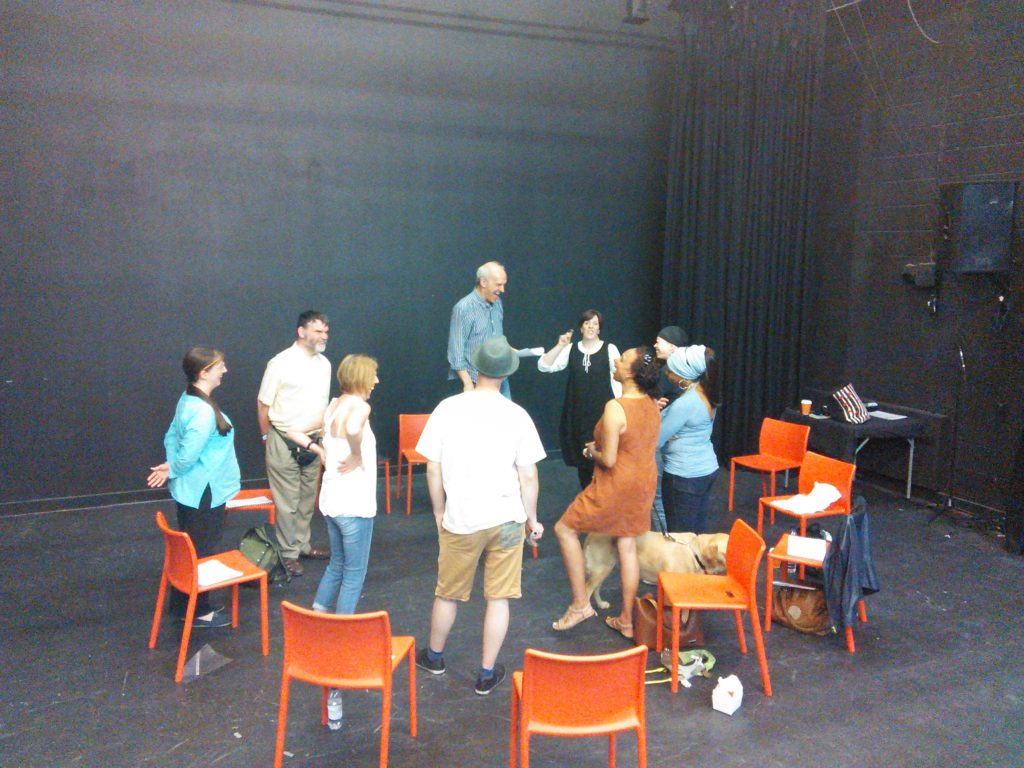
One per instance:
(686, 501)
(342, 582)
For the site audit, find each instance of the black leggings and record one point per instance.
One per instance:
(205, 526)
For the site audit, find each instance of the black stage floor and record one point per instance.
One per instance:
(936, 679)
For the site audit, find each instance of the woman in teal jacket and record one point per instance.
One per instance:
(201, 469)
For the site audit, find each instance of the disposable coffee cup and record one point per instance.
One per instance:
(805, 407)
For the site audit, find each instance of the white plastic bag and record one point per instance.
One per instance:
(728, 694)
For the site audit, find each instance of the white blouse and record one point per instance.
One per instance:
(563, 360)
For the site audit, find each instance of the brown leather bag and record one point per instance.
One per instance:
(645, 612)
(801, 609)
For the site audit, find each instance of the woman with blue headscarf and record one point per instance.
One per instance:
(684, 442)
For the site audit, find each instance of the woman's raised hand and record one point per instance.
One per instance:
(565, 338)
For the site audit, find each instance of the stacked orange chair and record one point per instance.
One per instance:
(343, 651)
(558, 695)
(735, 591)
(781, 447)
(816, 469)
(410, 427)
(181, 568)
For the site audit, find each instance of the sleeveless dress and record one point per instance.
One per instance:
(586, 392)
(353, 494)
(618, 501)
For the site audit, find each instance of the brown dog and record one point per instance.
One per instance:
(656, 552)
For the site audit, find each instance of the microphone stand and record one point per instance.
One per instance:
(943, 507)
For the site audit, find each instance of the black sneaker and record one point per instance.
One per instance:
(211, 620)
(423, 662)
(484, 687)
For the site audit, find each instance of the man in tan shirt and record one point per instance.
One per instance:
(293, 395)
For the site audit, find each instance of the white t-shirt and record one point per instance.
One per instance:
(479, 439)
(296, 386)
(353, 494)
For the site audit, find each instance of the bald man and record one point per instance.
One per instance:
(475, 317)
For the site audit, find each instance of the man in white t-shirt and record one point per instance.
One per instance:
(293, 396)
(482, 452)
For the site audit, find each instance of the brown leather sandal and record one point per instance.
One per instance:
(626, 630)
(572, 617)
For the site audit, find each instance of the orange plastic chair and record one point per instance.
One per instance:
(181, 571)
(781, 447)
(815, 469)
(410, 426)
(558, 695)
(343, 651)
(254, 493)
(736, 591)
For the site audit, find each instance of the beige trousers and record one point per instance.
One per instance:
(294, 491)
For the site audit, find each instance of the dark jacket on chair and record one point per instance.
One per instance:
(849, 568)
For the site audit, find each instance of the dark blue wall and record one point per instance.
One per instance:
(175, 174)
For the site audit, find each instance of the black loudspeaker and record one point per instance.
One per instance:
(977, 226)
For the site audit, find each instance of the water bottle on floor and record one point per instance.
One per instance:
(334, 711)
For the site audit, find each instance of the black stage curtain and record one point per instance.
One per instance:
(738, 199)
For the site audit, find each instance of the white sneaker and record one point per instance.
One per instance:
(334, 712)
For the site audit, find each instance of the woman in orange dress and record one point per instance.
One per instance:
(618, 501)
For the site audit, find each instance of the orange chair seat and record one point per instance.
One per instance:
(764, 463)
(702, 590)
(841, 507)
(252, 493)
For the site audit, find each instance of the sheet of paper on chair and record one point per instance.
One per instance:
(886, 415)
(530, 352)
(807, 547)
(252, 502)
(214, 572)
(821, 497)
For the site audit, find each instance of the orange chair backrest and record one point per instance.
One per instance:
(322, 648)
(822, 469)
(179, 556)
(583, 692)
(783, 439)
(744, 553)
(410, 427)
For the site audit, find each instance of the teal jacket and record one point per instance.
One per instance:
(198, 455)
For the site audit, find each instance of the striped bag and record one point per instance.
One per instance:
(849, 407)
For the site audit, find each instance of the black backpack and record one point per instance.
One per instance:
(260, 546)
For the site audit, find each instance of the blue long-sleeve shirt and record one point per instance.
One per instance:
(473, 320)
(684, 441)
(198, 455)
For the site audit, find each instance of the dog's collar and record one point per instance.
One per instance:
(686, 544)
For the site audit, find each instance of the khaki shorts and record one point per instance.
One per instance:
(503, 564)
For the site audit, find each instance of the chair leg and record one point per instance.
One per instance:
(161, 595)
(739, 631)
(282, 722)
(324, 693)
(513, 726)
(772, 512)
(862, 611)
(412, 690)
(186, 634)
(408, 489)
(732, 480)
(851, 646)
(762, 657)
(675, 646)
(234, 606)
(385, 725)
(611, 750)
(641, 745)
(264, 624)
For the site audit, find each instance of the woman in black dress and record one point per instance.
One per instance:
(590, 362)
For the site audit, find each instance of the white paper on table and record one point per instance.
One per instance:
(214, 571)
(232, 503)
(530, 352)
(820, 498)
(886, 415)
(807, 547)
